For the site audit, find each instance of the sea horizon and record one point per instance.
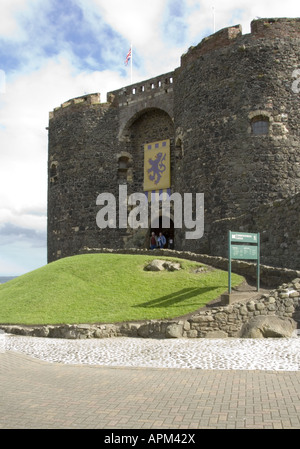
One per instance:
(4, 279)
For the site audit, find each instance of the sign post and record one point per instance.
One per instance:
(243, 245)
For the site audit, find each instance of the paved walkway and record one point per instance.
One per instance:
(37, 394)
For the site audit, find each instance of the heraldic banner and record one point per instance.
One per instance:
(157, 173)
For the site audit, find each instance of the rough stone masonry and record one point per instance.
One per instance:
(231, 112)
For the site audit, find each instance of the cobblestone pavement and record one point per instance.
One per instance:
(228, 353)
(35, 393)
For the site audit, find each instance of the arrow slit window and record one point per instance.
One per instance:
(123, 165)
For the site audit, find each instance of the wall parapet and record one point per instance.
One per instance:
(260, 28)
(163, 84)
(143, 90)
(217, 40)
(86, 100)
(277, 27)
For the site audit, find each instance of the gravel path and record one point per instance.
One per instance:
(224, 354)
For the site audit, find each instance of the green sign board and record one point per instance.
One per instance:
(243, 252)
(243, 246)
(243, 237)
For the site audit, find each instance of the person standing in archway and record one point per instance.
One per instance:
(161, 240)
(153, 241)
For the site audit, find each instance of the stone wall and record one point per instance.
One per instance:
(86, 158)
(217, 95)
(132, 100)
(278, 225)
(206, 107)
(80, 140)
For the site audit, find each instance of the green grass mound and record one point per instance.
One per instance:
(108, 288)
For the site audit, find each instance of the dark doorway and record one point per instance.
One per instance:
(167, 232)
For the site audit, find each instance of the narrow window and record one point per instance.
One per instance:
(260, 125)
(123, 168)
(53, 173)
(179, 149)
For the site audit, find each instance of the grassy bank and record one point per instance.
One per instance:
(110, 288)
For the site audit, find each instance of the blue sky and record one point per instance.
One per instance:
(54, 50)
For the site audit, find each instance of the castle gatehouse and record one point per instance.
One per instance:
(224, 124)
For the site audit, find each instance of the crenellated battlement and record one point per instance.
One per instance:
(130, 95)
(217, 40)
(273, 28)
(145, 90)
(86, 100)
(150, 90)
(260, 28)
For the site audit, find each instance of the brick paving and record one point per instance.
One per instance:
(41, 395)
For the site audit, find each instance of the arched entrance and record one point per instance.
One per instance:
(147, 126)
(167, 232)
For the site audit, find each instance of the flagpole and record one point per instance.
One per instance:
(131, 65)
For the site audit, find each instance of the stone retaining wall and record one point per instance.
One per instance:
(216, 322)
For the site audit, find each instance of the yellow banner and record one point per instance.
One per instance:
(157, 173)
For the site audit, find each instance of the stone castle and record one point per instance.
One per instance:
(231, 116)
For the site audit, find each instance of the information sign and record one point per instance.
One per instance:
(244, 252)
(244, 237)
(237, 249)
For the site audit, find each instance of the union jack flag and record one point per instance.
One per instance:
(128, 57)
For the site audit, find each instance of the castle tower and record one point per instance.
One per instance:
(231, 114)
(238, 117)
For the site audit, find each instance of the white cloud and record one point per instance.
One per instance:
(142, 24)
(162, 30)
(12, 11)
(24, 117)
(23, 219)
(8, 24)
(235, 12)
(137, 21)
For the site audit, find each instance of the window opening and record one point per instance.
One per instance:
(53, 173)
(123, 168)
(260, 125)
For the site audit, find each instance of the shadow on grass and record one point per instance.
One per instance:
(176, 297)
